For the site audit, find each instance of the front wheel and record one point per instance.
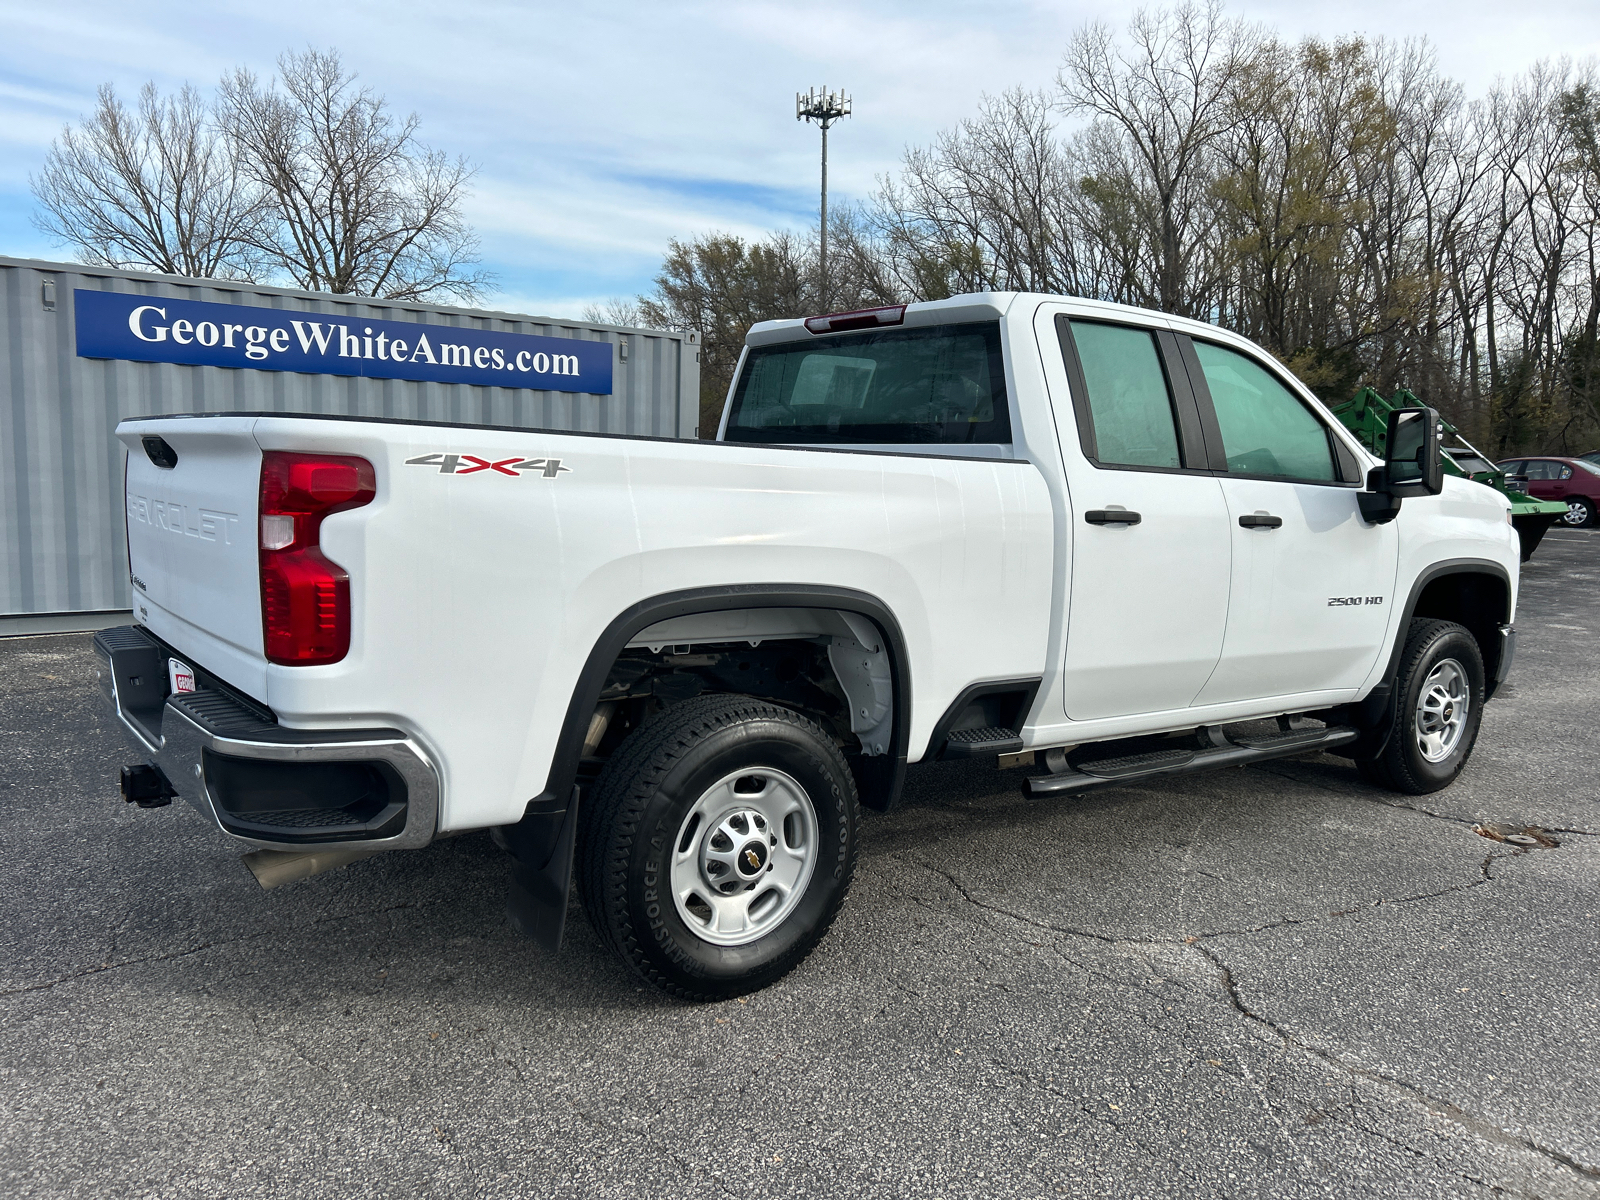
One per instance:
(719, 845)
(1580, 512)
(1438, 707)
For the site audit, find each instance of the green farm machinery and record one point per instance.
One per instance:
(1367, 416)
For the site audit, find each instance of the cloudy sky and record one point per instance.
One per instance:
(601, 131)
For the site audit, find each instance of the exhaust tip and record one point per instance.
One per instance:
(274, 868)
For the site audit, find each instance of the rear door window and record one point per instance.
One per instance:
(940, 384)
(1129, 401)
(1266, 430)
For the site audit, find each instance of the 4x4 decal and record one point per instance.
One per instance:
(468, 464)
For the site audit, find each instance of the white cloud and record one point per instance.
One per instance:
(601, 132)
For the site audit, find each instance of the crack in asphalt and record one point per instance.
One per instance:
(210, 945)
(1440, 1107)
(1387, 802)
(1044, 1086)
(1356, 1124)
(1125, 939)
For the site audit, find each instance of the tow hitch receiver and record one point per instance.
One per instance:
(146, 786)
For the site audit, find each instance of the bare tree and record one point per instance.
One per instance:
(359, 204)
(1579, 112)
(617, 310)
(989, 205)
(1181, 86)
(156, 188)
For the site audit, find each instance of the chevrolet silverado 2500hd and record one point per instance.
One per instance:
(999, 524)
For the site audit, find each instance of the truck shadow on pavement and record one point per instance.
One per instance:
(1233, 851)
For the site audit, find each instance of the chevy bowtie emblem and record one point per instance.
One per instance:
(752, 858)
(469, 464)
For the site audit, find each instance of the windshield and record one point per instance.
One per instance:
(939, 384)
(1587, 466)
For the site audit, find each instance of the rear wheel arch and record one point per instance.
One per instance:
(878, 777)
(544, 841)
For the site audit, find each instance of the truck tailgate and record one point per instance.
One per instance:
(192, 545)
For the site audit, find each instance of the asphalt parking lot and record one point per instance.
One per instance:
(1271, 981)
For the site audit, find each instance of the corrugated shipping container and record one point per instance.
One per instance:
(62, 539)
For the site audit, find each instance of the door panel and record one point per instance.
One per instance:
(1311, 598)
(1148, 601)
(1312, 582)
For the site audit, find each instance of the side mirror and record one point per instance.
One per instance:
(1412, 466)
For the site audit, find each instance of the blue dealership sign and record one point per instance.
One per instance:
(197, 333)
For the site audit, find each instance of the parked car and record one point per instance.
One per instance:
(1593, 457)
(1099, 540)
(1576, 481)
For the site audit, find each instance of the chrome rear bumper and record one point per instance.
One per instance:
(199, 739)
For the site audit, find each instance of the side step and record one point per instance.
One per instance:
(975, 743)
(1221, 751)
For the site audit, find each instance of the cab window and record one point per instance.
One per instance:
(1266, 430)
(936, 384)
(1130, 404)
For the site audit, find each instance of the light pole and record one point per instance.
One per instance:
(824, 108)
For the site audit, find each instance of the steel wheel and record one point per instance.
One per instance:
(1442, 708)
(744, 854)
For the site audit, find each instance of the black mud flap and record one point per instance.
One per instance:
(542, 847)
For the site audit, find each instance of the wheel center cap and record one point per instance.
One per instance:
(752, 858)
(1448, 710)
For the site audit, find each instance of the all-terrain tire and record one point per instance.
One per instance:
(630, 825)
(1405, 764)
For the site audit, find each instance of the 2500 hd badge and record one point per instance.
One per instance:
(1352, 601)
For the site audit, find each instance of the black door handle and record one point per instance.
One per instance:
(1111, 516)
(1260, 521)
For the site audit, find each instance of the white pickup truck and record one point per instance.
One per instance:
(1098, 541)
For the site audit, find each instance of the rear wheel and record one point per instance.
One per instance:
(1580, 512)
(1438, 707)
(719, 845)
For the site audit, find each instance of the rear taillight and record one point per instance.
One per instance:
(305, 597)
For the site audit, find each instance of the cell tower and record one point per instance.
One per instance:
(823, 107)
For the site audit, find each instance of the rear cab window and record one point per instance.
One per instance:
(933, 385)
(1130, 406)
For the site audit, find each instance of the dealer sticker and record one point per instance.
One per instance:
(180, 676)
